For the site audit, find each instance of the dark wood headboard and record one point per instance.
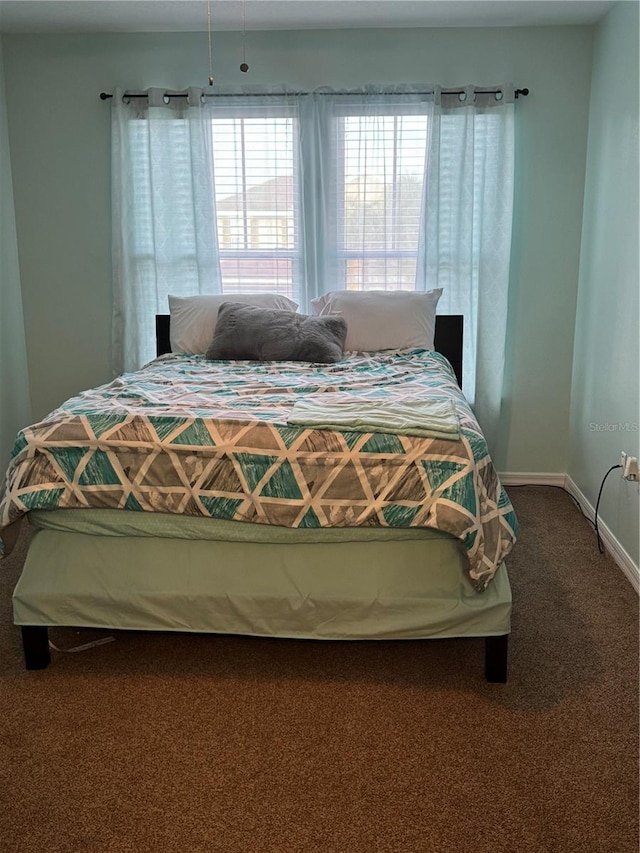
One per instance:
(448, 338)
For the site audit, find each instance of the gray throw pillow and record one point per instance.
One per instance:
(264, 334)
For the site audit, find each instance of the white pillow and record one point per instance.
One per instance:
(383, 319)
(193, 318)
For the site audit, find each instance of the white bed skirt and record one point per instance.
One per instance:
(335, 591)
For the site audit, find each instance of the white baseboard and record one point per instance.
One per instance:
(613, 546)
(620, 556)
(529, 479)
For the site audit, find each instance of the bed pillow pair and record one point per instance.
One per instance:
(373, 320)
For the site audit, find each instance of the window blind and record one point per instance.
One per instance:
(257, 201)
(379, 194)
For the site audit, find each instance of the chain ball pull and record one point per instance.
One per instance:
(244, 67)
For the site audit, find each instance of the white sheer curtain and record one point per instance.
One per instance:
(257, 168)
(386, 187)
(205, 200)
(15, 409)
(467, 233)
(365, 154)
(164, 214)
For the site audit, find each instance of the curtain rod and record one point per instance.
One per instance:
(104, 96)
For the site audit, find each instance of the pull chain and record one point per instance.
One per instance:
(244, 66)
(209, 33)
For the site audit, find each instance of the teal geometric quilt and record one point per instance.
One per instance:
(187, 435)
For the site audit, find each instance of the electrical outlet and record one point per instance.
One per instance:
(629, 466)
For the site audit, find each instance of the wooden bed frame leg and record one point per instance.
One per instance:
(495, 659)
(35, 642)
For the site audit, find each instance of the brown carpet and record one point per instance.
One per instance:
(180, 744)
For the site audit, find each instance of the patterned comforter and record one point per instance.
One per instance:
(186, 435)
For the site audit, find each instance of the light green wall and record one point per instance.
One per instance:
(15, 407)
(60, 149)
(605, 373)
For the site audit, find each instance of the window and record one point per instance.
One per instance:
(255, 167)
(368, 196)
(379, 192)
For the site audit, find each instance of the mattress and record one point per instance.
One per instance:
(114, 522)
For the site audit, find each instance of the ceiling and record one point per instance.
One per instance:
(58, 16)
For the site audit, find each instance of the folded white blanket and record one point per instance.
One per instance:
(426, 418)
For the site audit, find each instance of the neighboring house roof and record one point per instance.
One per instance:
(277, 194)
(274, 194)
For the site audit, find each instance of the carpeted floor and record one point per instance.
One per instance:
(181, 744)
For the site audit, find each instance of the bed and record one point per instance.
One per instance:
(187, 548)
